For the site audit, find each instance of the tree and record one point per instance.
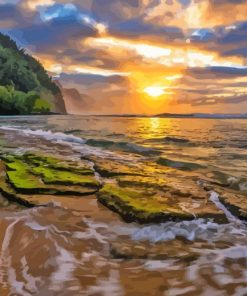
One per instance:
(23, 81)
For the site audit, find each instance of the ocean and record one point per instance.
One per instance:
(77, 246)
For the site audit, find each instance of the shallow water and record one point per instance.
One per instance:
(78, 247)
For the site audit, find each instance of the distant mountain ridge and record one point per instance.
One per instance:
(203, 115)
(74, 100)
(177, 115)
(25, 86)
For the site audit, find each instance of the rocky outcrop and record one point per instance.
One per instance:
(150, 194)
(25, 177)
(74, 101)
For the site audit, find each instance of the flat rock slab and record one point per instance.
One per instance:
(146, 194)
(152, 193)
(108, 168)
(147, 204)
(128, 250)
(28, 175)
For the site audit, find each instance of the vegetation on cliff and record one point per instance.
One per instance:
(25, 86)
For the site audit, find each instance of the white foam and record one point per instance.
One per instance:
(48, 135)
(77, 143)
(32, 282)
(243, 186)
(66, 264)
(214, 197)
(190, 230)
(111, 285)
(201, 229)
(35, 226)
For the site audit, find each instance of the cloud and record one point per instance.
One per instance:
(102, 94)
(218, 72)
(34, 5)
(11, 15)
(59, 27)
(112, 50)
(136, 28)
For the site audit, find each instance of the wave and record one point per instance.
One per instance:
(171, 140)
(73, 131)
(42, 230)
(48, 135)
(201, 229)
(214, 197)
(61, 137)
(226, 180)
(198, 229)
(176, 140)
(124, 146)
(79, 144)
(177, 164)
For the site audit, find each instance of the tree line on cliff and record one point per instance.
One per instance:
(25, 86)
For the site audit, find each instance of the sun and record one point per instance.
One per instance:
(154, 91)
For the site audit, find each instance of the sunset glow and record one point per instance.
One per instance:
(186, 53)
(123, 147)
(154, 91)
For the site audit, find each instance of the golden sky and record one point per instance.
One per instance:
(139, 56)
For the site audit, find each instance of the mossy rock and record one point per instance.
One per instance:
(142, 181)
(54, 176)
(149, 204)
(26, 175)
(20, 177)
(138, 206)
(58, 164)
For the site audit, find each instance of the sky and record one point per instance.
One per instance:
(138, 56)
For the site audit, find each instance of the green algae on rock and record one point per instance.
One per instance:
(143, 206)
(54, 176)
(61, 165)
(19, 175)
(153, 199)
(25, 175)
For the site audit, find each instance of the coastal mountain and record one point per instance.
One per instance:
(74, 100)
(203, 115)
(25, 86)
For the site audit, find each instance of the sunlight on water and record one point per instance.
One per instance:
(78, 245)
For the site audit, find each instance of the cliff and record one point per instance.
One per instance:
(25, 86)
